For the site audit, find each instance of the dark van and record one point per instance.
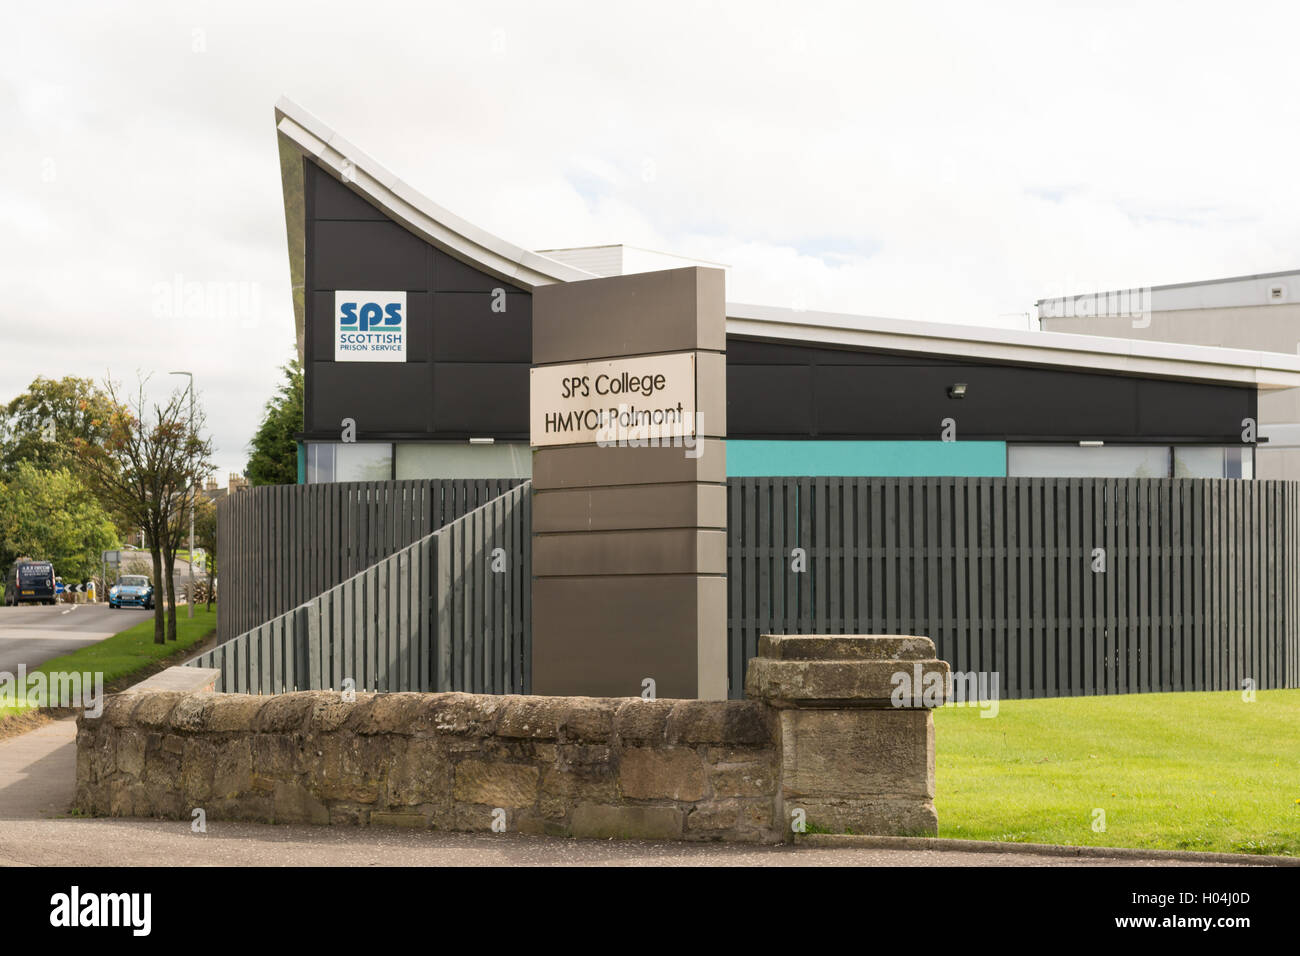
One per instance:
(30, 582)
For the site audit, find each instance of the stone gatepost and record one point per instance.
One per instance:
(856, 733)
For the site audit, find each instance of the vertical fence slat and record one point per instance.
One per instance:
(1198, 593)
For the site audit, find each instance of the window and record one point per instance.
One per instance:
(463, 460)
(1212, 461)
(1239, 463)
(320, 463)
(349, 461)
(1074, 461)
(363, 461)
(1130, 461)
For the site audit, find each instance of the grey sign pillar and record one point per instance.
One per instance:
(629, 514)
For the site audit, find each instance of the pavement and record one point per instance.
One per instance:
(37, 772)
(138, 842)
(32, 634)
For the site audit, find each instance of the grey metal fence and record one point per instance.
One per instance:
(1200, 588)
(280, 545)
(449, 612)
(1198, 592)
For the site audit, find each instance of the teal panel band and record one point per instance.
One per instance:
(883, 459)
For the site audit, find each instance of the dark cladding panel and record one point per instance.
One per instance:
(883, 401)
(333, 200)
(750, 352)
(775, 389)
(452, 275)
(379, 396)
(852, 394)
(420, 323)
(1187, 409)
(901, 402)
(481, 399)
(320, 327)
(369, 255)
(769, 400)
(352, 245)
(1012, 402)
(858, 357)
(745, 352)
(467, 330)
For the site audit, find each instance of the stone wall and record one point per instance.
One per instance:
(852, 758)
(823, 742)
(583, 767)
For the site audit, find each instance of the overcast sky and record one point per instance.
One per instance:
(948, 162)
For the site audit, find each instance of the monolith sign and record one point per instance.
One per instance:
(628, 421)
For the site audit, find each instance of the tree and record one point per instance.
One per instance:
(146, 468)
(49, 515)
(205, 534)
(40, 428)
(274, 450)
(178, 501)
(42, 424)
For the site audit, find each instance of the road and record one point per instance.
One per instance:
(32, 634)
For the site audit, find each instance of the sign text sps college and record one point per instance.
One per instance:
(628, 400)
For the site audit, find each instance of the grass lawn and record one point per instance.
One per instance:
(1203, 771)
(130, 650)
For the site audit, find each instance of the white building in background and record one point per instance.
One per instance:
(1244, 312)
(618, 259)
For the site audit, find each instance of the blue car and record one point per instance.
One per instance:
(133, 590)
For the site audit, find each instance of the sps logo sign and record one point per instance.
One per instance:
(369, 326)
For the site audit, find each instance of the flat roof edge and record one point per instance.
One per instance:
(1131, 356)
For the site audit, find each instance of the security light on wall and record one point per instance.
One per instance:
(482, 441)
(957, 391)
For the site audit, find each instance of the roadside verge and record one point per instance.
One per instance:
(124, 659)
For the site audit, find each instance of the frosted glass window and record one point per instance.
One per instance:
(463, 460)
(1191, 461)
(1214, 461)
(363, 461)
(1075, 461)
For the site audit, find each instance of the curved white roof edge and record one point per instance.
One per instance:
(414, 210)
(529, 270)
(1264, 370)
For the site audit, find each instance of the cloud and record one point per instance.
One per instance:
(948, 161)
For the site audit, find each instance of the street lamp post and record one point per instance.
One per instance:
(189, 594)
